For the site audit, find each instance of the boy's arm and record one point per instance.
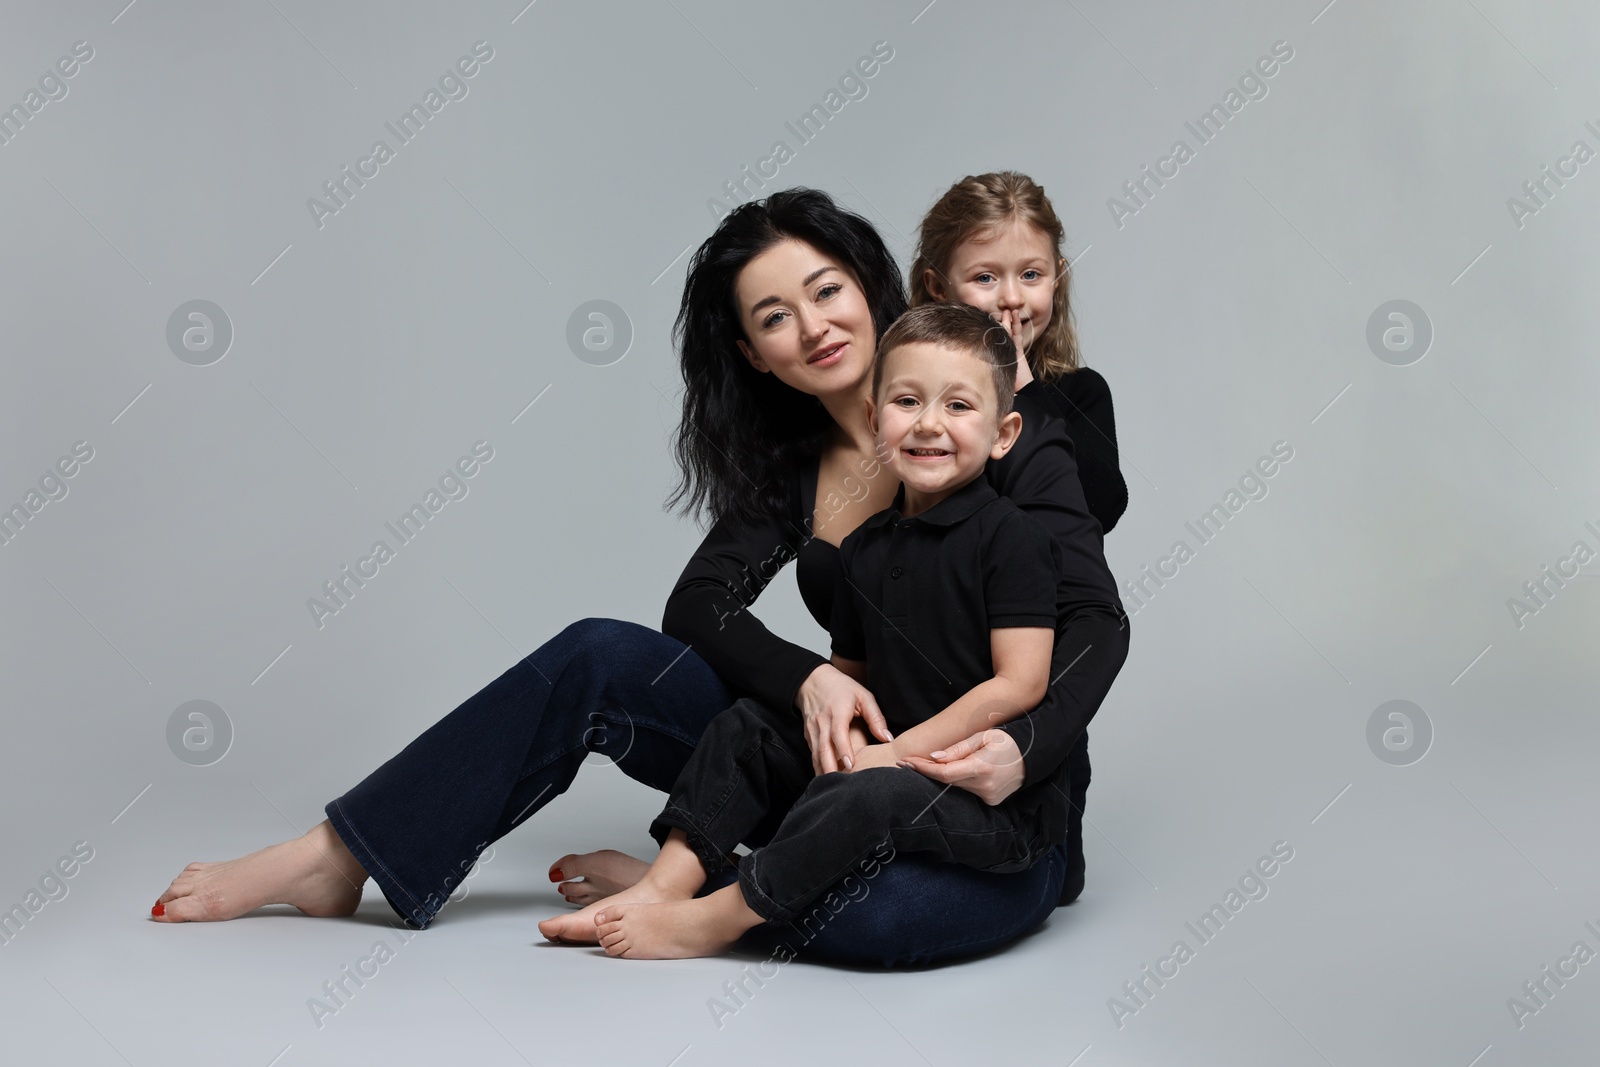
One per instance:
(1021, 657)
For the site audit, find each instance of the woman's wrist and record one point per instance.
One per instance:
(808, 687)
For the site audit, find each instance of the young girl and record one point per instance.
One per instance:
(993, 241)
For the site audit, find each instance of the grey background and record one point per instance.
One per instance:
(1228, 314)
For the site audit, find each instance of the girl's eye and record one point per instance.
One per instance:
(1032, 275)
(984, 279)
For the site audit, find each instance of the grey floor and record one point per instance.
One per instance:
(1417, 901)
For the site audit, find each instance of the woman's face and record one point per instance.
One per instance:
(807, 319)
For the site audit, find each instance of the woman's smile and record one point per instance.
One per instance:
(828, 356)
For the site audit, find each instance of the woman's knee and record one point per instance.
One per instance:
(597, 634)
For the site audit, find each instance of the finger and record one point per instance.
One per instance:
(873, 716)
(827, 758)
(939, 772)
(841, 742)
(821, 752)
(960, 750)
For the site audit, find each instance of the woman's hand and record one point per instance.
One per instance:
(830, 701)
(987, 764)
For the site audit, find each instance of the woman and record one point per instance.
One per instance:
(777, 328)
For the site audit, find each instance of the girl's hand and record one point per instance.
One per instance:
(987, 764)
(830, 701)
(1012, 321)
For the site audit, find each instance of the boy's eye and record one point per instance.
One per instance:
(905, 400)
(959, 405)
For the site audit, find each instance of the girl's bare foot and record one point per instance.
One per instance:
(315, 873)
(675, 875)
(676, 930)
(604, 873)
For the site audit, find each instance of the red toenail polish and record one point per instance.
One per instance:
(159, 909)
(556, 875)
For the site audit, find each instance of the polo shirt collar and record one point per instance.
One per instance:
(959, 505)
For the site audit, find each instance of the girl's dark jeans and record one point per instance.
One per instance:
(641, 698)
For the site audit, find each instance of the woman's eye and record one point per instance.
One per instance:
(828, 290)
(772, 319)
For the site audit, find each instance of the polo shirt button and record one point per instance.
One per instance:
(896, 572)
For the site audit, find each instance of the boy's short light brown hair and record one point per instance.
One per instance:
(961, 327)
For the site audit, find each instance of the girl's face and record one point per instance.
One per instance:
(807, 319)
(1010, 269)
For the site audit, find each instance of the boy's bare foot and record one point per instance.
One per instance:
(605, 873)
(675, 875)
(676, 930)
(315, 873)
(579, 926)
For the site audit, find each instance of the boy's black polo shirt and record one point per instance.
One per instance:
(917, 597)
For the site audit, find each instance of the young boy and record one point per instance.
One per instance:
(945, 610)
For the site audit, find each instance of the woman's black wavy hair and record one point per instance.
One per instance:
(745, 435)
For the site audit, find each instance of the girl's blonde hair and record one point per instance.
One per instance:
(978, 206)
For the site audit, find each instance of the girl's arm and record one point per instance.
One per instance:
(1082, 400)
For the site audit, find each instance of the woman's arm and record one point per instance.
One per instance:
(708, 610)
(1039, 476)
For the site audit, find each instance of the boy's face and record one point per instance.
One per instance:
(935, 417)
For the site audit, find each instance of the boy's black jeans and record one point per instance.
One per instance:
(750, 781)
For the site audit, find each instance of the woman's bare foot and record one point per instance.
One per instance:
(315, 873)
(675, 875)
(676, 930)
(604, 873)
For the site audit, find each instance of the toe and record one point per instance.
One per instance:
(564, 867)
(578, 892)
(183, 910)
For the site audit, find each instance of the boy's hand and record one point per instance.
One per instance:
(874, 755)
(859, 738)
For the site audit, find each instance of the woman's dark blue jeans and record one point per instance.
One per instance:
(641, 698)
